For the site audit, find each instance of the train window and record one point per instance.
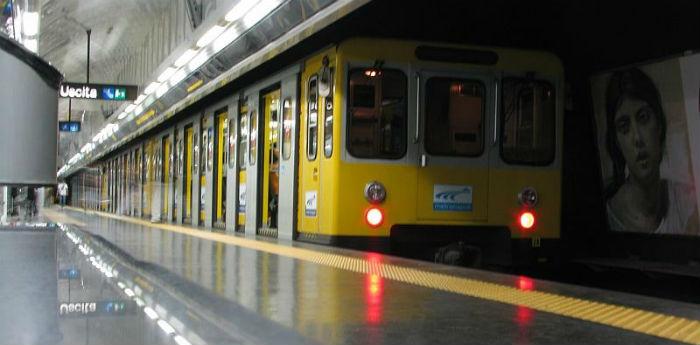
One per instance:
(454, 117)
(231, 143)
(180, 157)
(312, 119)
(243, 147)
(203, 150)
(287, 121)
(210, 148)
(253, 150)
(328, 121)
(195, 159)
(528, 118)
(377, 113)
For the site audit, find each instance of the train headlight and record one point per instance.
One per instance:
(375, 193)
(528, 197)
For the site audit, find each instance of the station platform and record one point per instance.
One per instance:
(205, 287)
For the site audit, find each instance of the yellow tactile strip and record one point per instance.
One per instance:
(631, 319)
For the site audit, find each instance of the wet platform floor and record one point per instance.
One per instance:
(214, 288)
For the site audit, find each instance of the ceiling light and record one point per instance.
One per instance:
(210, 35)
(31, 44)
(162, 90)
(140, 99)
(198, 61)
(226, 38)
(259, 12)
(166, 74)
(30, 23)
(238, 11)
(129, 108)
(150, 88)
(122, 115)
(178, 77)
(185, 58)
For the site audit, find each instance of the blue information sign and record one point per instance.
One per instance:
(70, 273)
(69, 126)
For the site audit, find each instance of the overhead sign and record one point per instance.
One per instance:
(69, 126)
(71, 273)
(86, 309)
(104, 92)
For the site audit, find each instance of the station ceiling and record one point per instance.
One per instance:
(587, 35)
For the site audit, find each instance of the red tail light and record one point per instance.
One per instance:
(526, 220)
(374, 217)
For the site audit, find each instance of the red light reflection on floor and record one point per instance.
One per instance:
(524, 315)
(374, 290)
(525, 283)
(523, 318)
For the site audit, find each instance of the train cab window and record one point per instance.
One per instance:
(253, 151)
(312, 119)
(243, 147)
(454, 117)
(231, 143)
(377, 113)
(528, 118)
(328, 120)
(287, 121)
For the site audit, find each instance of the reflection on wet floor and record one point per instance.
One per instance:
(123, 283)
(156, 298)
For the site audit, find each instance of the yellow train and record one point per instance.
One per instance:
(450, 151)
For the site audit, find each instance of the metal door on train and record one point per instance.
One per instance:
(270, 189)
(453, 138)
(276, 199)
(309, 166)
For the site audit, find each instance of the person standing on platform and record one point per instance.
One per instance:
(62, 193)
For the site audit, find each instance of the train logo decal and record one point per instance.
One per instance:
(241, 198)
(448, 197)
(311, 204)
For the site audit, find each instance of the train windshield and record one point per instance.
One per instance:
(454, 117)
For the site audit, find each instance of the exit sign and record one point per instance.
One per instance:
(102, 92)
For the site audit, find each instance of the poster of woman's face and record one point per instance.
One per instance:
(642, 129)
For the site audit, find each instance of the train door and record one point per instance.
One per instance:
(166, 172)
(206, 155)
(196, 178)
(177, 176)
(309, 167)
(188, 169)
(243, 131)
(221, 119)
(157, 189)
(125, 179)
(132, 183)
(453, 173)
(252, 170)
(139, 181)
(269, 193)
(148, 178)
(232, 175)
(288, 158)
(105, 187)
